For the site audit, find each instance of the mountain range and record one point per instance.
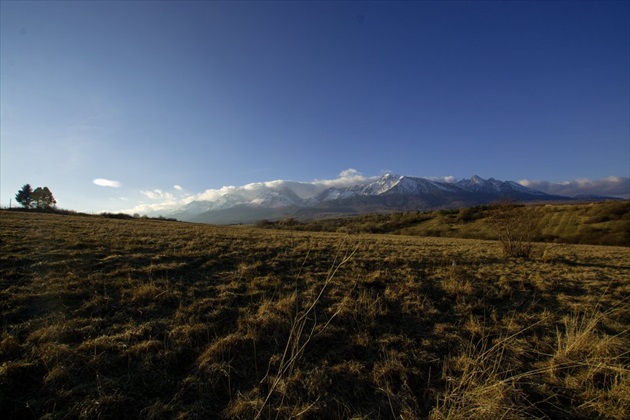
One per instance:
(388, 193)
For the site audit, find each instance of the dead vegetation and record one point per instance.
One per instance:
(601, 223)
(146, 319)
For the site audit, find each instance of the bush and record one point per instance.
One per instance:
(264, 223)
(516, 228)
(116, 216)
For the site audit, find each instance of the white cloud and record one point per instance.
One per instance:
(162, 202)
(213, 194)
(614, 186)
(275, 184)
(349, 173)
(448, 179)
(168, 201)
(143, 208)
(345, 179)
(102, 182)
(253, 186)
(158, 195)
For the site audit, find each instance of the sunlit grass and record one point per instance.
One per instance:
(153, 319)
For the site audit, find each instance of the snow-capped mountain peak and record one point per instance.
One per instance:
(276, 198)
(383, 184)
(389, 192)
(494, 186)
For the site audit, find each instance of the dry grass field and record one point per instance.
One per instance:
(602, 223)
(105, 318)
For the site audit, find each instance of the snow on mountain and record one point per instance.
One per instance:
(376, 187)
(382, 185)
(191, 209)
(285, 194)
(302, 190)
(336, 193)
(197, 206)
(478, 184)
(388, 184)
(413, 185)
(333, 193)
(229, 200)
(194, 208)
(493, 186)
(276, 198)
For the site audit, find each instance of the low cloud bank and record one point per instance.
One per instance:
(612, 186)
(448, 179)
(302, 189)
(164, 201)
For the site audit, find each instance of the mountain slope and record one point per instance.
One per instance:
(388, 193)
(493, 186)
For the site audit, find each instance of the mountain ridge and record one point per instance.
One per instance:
(387, 193)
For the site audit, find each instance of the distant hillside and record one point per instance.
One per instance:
(604, 223)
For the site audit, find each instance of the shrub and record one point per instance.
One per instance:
(516, 228)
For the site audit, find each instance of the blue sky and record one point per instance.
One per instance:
(203, 95)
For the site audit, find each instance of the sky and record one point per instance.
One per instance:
(110, 102)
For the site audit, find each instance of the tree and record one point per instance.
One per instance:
(43, 198)
(517, 227)
(25, 196)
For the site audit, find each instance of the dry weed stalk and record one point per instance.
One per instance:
(297, 339)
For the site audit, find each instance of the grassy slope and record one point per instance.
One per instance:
(588, 223)
(142, 318)
(606, 223)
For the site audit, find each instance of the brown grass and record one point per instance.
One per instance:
(600, 223)
(148, 319)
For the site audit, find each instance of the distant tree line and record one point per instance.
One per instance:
(39, 198)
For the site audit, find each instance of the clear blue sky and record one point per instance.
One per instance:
(208, 94)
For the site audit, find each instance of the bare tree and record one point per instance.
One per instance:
(516, 227)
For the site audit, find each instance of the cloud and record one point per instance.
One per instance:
(350, 173)
(144, 208)
(166, 201)
(346, 178)
(213, 194)
(158, 195)
(102, 182)
(254, 186)
(162, 202)
(448, 179)
(613, 186)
